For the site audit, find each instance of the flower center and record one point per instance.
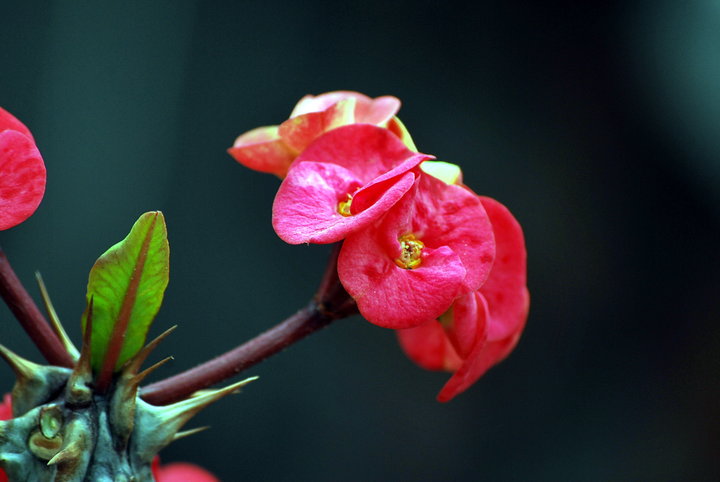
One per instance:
(343, 207)
(410, 252)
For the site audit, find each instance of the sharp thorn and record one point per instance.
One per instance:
(187, 433)
(55, 320)
(83, 363)
(140, 376)
(70, 452)
(23, 368)
(132, 366)
(186, 409)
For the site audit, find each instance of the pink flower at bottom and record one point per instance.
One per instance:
(5, 414)
(483, 327)
(180, 472)
(22, 172)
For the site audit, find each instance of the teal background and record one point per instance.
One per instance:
(595, 123)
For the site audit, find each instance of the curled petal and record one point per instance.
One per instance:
(298, 132)
(22, 178)
(483, 357)
(429, 347)
(263, 150)
(306, 205)
(367, 110)
(368, 151)
(505, 298)
(506, 288)
(465, 324)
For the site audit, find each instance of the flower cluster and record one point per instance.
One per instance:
(421, 252)
(22, 172)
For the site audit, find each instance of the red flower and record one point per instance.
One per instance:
(482, 327)
(272, 149)
(5, 414)
(433, 246)
(22, 172)
(341, 183)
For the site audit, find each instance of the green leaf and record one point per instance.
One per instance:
(126, 285)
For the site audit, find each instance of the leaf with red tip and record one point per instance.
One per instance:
(22, 176)
(127, 284)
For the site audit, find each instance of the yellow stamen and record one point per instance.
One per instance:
(410, 252)
(344, 206)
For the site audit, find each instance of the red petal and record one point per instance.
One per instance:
(22, 178)
(9, 122)
(6, 408)
(182, 472)
(368, 151)
(506, 288)
(428, 346)
(367, 111)
(386, 294)
(298, 132)
(377, 111)
(506, 298)
(449, 215)
(480, 360)
(262, 149)
(467, 325)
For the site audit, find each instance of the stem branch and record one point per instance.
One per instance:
(330, 303)
(295, 328)
(30, 317)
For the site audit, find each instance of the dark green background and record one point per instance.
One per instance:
(596, 125)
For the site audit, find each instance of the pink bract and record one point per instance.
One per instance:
(366, 167)
(5, 414)
(483, 327)
(272, 149)
(22, 172)
(433, 246)
(262, 149)
(180, 472)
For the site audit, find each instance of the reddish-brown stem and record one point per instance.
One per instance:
(30, 317)
(180, 386)
(330, 303)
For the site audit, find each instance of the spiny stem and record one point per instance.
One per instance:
(331, 303)
(30, 317)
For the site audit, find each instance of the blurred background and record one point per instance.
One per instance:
(597, 124)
